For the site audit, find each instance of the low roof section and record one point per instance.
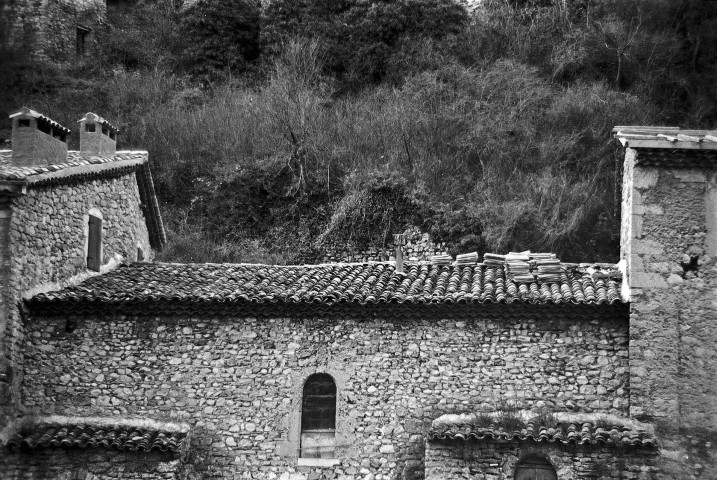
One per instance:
(16, 179)
(560, 427)
(422, 290)
(56, 431)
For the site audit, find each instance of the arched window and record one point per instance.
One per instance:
(535, 468)
(318, 417)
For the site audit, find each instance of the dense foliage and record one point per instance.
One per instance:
(356, 118)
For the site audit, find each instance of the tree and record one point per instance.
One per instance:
(222, 36)
(359, 38)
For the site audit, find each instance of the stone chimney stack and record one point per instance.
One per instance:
(37, 139)
(669, 252)
(98, 137)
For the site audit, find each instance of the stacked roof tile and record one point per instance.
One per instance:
(470, 427)
(157, 287)
(91, 433)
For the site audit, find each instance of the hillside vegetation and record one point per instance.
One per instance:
(274, 132)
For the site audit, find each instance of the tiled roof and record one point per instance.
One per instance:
(666, 137)
(27, 112)
(670, 146)
(63, 432)
(71, 168)
(470, 427)
(164, 287)
(94, 118)
(79, 167)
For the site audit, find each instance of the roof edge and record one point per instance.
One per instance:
(87, 170)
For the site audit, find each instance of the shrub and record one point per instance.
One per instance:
(142, 34)
(359, 38)
(222, 36)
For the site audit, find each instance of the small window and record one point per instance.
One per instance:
(535, 468)
(94, 243)
(318, 417)
(105, 131)
(140, 254)
(23, 122)
(81, 45)
(89, 127)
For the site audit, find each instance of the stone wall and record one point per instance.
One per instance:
(47, 245)
(239, 382)
(49, 28)
(672, 272)
(489, 460)
(418, 247)
(61, 464)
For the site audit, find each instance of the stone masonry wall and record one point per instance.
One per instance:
(49, 28)
(60, 464)
(239, 382)
(490, 460)
(47, 237)
(418, 247)
(673, 278)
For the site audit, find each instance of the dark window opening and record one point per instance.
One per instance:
(140, 255)
(535, 468)
(44, 127)
(82, 35)
(89, 127)
(23, 122)
(318, 417)
(105, 131)
(94, 243)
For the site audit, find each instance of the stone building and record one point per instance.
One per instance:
(518, 367)
(56, 29)
(65, 216)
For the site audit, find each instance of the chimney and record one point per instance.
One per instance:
(98, 137)
(37, 140)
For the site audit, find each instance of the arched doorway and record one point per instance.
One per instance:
(535, 468)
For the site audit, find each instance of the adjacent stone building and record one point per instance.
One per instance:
(56, 29)
(64, 216)
(517, 367)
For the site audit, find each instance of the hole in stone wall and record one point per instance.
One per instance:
(690, 265)
(23, 122)
(89, 127)
(71, 325)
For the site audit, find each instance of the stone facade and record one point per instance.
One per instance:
(62, 464)
(46, 247)
(52, 29)
(493, 460)
(419, 246)
(239, 381)
(672, 277)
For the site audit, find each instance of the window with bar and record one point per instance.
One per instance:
(318, 417)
